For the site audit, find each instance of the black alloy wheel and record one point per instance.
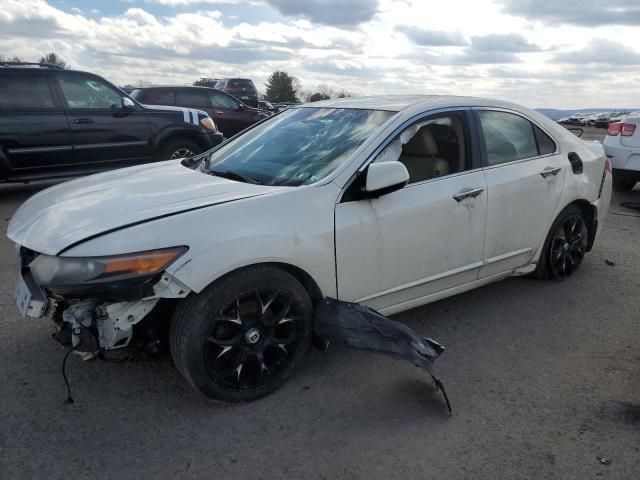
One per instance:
(244, 335)
(568, 246)
(253, 339)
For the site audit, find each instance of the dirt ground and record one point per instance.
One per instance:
(543, 378)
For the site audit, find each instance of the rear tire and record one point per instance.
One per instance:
(565, 245)
(243, 336)
(623, 184)
(179, 148)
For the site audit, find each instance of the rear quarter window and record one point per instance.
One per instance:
(546, 145)
(25, 91)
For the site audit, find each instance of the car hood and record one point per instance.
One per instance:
(68, 213)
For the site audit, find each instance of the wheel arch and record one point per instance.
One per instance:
(307, 281)
(590, 214)
(175, 134)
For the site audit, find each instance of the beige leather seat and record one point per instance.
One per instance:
(420, 156)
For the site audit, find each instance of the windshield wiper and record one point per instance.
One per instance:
(236, 176)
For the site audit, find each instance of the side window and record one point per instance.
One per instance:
(546, 145)
(192, 98)
(508, 137)
(220, 100)
(88, 92)
(160, 97)
(433, 147)
(18, 91)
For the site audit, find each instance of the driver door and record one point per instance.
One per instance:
(396, 251)
(103, 135)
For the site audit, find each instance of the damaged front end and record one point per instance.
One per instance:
(96, 302)
(360, 327)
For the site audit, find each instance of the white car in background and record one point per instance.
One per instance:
(622, 146)
(391, 202)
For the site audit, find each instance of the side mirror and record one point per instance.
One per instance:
(128, 105)
(385, 177)
(241, 106)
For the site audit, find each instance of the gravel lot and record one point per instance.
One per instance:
(543, 378)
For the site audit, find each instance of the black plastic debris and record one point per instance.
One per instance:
(631, 205)
(363, 328)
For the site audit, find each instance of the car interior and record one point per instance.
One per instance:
(437, 149)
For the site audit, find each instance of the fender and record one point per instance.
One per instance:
(187, 130)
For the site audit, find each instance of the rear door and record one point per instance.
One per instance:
(103, 133)
(34, 132)
(525, 176)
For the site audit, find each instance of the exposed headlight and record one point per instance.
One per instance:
(51, 271)
(208, 124)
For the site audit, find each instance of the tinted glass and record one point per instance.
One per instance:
(19, 91)
(508, 137)
(220, 100)
(192, 98)
(240, 83)
(87, 92)
(545, 144)
(298, 147)
(159, 97)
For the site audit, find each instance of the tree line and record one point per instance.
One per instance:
(50, 58)
(281, 87)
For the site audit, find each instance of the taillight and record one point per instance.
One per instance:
(614, 129)
(628, 129)
(624, 129)
(607, 163)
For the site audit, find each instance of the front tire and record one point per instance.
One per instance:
(623, 184)
(243, 336)
(179, 148)
(565, 245)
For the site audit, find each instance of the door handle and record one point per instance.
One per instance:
(467, 193)
(79, 121)
(218, 112)
(550, 171)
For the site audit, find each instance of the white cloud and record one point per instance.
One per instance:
(389, 46)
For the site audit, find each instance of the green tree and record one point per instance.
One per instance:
(14, 59)
(280, 87)
(54, 59)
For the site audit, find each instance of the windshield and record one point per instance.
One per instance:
(297, 147)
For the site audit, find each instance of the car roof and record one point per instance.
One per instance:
(152, 87)
(396, 103)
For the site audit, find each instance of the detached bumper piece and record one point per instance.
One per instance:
(360, 327)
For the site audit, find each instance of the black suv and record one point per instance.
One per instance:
(57, 123)
(241, 88)
(230, 115)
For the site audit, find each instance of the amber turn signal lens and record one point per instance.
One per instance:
(143, 263)
(208, 124)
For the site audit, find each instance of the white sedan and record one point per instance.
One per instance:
(392, 202)
(622, 146)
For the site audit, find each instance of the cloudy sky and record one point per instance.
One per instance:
(541, 53)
